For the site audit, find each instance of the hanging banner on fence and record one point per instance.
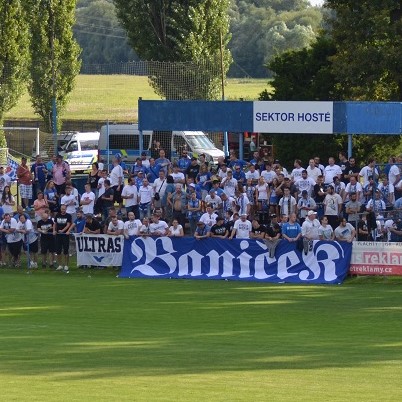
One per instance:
(293, 117)
(99, 250)
(376, 258)
(11, 169)
(247, 260)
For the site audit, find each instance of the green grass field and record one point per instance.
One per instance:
(94, 337)
(115, 97)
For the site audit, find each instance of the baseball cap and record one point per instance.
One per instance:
(192, 185)
(309, 213)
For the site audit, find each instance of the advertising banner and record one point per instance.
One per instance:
(375, 258)
(237, 259)
(99, 250)
(293, 117)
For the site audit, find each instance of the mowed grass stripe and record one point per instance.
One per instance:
(96, 337)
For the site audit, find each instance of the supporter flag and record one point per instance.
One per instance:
(11, 169)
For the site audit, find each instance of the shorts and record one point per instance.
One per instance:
(117, 194)
(46, 244)
(26, 191)
(62, 244)
(33, 247)
(15, 248)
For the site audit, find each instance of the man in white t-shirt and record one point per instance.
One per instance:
(313, 171)
(332, 206)
(367, 171)
(69, 200)
(310, 231)
(331, 171)
(132, 226)
(116, 227)
(394, 175)
(345, 231)
(158, 227)
(5, 179)
(297, 171)
(130, 195)
(88, 200)
(209, 217)
(241, 228)
(268, 174)
(178, 177)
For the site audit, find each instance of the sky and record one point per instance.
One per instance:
(316, 2)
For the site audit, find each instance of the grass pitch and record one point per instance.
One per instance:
(89, 336)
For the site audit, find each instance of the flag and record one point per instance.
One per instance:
(11, 168)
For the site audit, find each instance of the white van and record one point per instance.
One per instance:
(79, 149)
(124, 139)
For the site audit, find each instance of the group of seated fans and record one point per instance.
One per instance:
(258, 199)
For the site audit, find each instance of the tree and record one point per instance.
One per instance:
(180, 31)
(14, 56)
(300, 76)
(266, 28)
(368, 38)
(100, 35)
(55, 56)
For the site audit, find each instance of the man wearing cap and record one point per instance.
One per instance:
(241, 228)
(139, 167)
(219, 230)
(310, 231)
(202, 231)
(145, 161)
(25, 182)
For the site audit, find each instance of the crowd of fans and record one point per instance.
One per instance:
(252, 198)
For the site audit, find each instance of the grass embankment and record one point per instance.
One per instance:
(115, 97)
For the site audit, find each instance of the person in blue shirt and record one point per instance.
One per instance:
(139, 179)
(139, 167)
(163, 161)
(153, 170)
(79, 224)
(183, 162)
(39, 171)
(203, 179)
(291, 230)
(239, 175)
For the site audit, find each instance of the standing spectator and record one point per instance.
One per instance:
(78, 224)
(132, 226)
(145, 161)
(331, 171)
(287, 203)
(25, 182)
(115, 227)
(92, 225)
(163, 161)
(253, 174)
(39, 172)
(130, 195)
(158, 227)
(69, 201)
(369, 171)
(332, 206)
(305, 204)
(203, 180)
(88, 200)
(107, 199)
(269, 174)
(387, 191)
(202, 231)
(117, 182)
(352, 171)
(272, 238)
(291, 230)
(93, 179)
(305, 183)
(159, 186)
(29, 240)
(353, 187)
(145, 199)
(229, 184)
(178, 204)
(239, 175)
(8, 226)
(45, 228)
(257, 230)
(297, 171)
(5, 179)
(241, 228)
(60, 173)
(40, 205)
(344, 165)
(219, 230)
(176, 230)
(313, 171)
(193, 211)
(345, 231)
(310, 231)
(7, 201)
(62, 223)
(153, 171)
(139, 167)
(363, 232)
(325, 231)
(352, 208)
(52, 197)
(178, 177)
(184, 161)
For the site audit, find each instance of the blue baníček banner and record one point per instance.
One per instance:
(243, 260)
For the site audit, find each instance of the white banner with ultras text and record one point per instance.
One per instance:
(293, 117)
(99, 250)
